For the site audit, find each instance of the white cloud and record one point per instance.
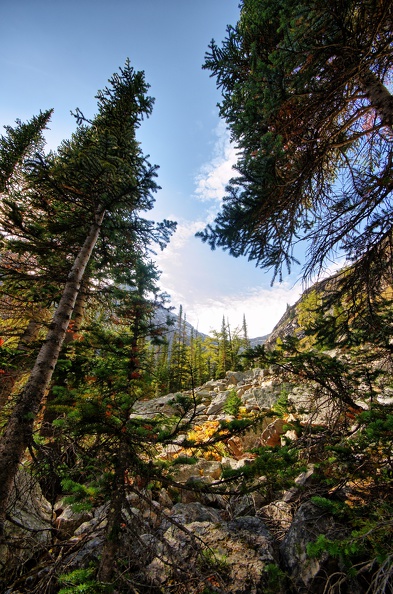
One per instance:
(214, 176)
(263, 308)
(209, 287)
(177, 249)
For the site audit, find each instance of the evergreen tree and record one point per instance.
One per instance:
(179, 365)
(88, 194)
(224, 355)
(245, 332)
(305, 94)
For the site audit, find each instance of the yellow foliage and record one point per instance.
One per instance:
(203, 433)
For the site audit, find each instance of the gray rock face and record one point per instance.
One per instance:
(30, 527)
(217, 404)
(307, 573)
(186, 513)
(203, 468)
(68, 520)
(235, 554)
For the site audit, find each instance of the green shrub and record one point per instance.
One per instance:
(81, 581)
(232, 404)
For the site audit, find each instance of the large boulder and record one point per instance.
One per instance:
(29, 528)
(230, 556)
(182, 473)
(306, 573)
(158, 407)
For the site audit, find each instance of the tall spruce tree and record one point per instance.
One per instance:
(305, 95)
(89, 194)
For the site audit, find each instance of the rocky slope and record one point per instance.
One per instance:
(192, 535)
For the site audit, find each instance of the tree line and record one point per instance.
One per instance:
(189, 359)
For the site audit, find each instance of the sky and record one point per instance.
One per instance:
(56, 54)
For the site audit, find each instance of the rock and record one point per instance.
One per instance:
(163, 406)
(290, 435)
(266, 395)
(195, 489)
(209, 468)
(238, 445)
(217, 404)
(309, 409)
(278, 517)
(243, 389)
(242, 505)
(170, 451)
(234, 377)
(97, 522)
(30, 529)
(235, 447)
(234, 554)
(194, 512)
(309, 575)
(84, 552)
(303, 479)
(164, 499)
(68, 520)
(233, 464)
(271, 436)
(205, 395)
(181, 473)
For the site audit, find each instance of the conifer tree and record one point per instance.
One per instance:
(179, 358)
(305, 93)
(87, 195)
(245, 332)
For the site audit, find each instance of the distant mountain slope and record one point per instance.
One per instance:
(289, 323)
(258, 340)
(162, 315)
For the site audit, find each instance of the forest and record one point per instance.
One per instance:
(162, 460)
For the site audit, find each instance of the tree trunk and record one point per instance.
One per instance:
(47, 429)
(79, 312)
(123, 459)
(19, 428)
(378, 95)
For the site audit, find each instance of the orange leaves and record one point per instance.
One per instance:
(202, 433)
(71, 332)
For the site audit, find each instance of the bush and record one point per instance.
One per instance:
(232, 404)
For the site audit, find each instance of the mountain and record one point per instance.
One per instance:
(258, 340)
(164, 317)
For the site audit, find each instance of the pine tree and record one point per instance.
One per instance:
(179, 366)
(305, 94)
(88, 194)
(245, 332)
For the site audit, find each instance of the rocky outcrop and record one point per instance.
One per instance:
(189, 533)
(233, 557)
(258, 390)
(29, 525)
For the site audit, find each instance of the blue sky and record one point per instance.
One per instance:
(56, 54)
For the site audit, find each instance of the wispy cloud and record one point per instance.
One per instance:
(212, 178)
(175, 261)
(210, 287)
(263, 308)
(178, 245)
